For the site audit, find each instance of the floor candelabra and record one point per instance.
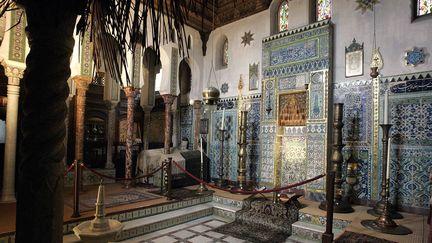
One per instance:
(340, 205)
(384, 223)
(379, 206)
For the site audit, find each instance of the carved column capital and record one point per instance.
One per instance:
(130, 91)
(197, 104)
(82, 82)
(14, 74)
(168, 99)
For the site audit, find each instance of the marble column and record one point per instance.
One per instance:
(168, 101)
(82, 82)
(197, 122)
(130, 94)
(147, 120)
(110, 132)
(14, 75)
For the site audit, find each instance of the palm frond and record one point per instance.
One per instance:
(118, 26)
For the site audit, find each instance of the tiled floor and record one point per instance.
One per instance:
(197, 231)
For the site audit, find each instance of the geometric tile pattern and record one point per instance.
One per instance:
(289, 61)
(229, 146)
(293, 158)
(174, 68)
(17, 40)
(186, 121)
(198, 233)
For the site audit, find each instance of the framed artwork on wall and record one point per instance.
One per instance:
(354, 59)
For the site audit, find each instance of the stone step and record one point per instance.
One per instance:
(313, 232)
(144, 212)
(141, 226)
(321, 220)
(297, 239)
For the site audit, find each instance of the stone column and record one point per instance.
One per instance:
(197, 122)
(168, 101)
(110, 132)
(130, 94)
(147, 120)
(14, 75)
(82, 82)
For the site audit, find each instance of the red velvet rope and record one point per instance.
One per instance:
(276, 189)
(69, 169)
(120, 179)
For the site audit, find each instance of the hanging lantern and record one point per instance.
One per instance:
(210, 95)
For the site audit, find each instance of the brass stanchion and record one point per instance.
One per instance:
(241, 168)
(167, 178)
(384, 223)
(328, 235)
(340, 205)
(77, 176)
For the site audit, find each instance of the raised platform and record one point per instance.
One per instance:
(143, 218)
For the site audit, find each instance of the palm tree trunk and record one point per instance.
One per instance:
(40, 178)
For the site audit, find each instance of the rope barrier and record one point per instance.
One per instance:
(276, 189)
(120, 179)
(69, 169)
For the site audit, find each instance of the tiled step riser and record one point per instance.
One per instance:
(321, 221)
(227, 201)
(306, 234)
(223, 213)
(145, 229)
(145, 212)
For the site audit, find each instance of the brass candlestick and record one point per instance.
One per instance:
(241, 168)
(340, 205)
(221, 182)
(202, 187)
(384, 223)
(379, 207)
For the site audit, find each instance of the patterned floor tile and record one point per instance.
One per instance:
(214, 223)
(200, 239)
(200, 228)
(164, 239)
(214, 234)
(183, 234)
(231, 239)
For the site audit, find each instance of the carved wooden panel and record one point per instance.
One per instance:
(292, 109)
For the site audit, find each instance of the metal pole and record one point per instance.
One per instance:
(77, 176)
(327, 237)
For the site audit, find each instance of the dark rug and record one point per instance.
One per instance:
(87, 203)
(261, 220)
(351, 237)
(252, 232)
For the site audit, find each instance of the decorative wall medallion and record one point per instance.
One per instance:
(415, 56)
(224, 88)
(366, 5)
(247, 38)
(354, 59)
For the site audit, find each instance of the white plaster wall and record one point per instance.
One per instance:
(240, 56)
(394, 30)
(395, 34)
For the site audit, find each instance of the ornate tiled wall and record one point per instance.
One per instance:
(230, 142)
(357, 97)
(410, 108)
(186, 124)
(290, 60)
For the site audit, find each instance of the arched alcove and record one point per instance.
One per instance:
(221, 52)
(151, 66)
(185, 81)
